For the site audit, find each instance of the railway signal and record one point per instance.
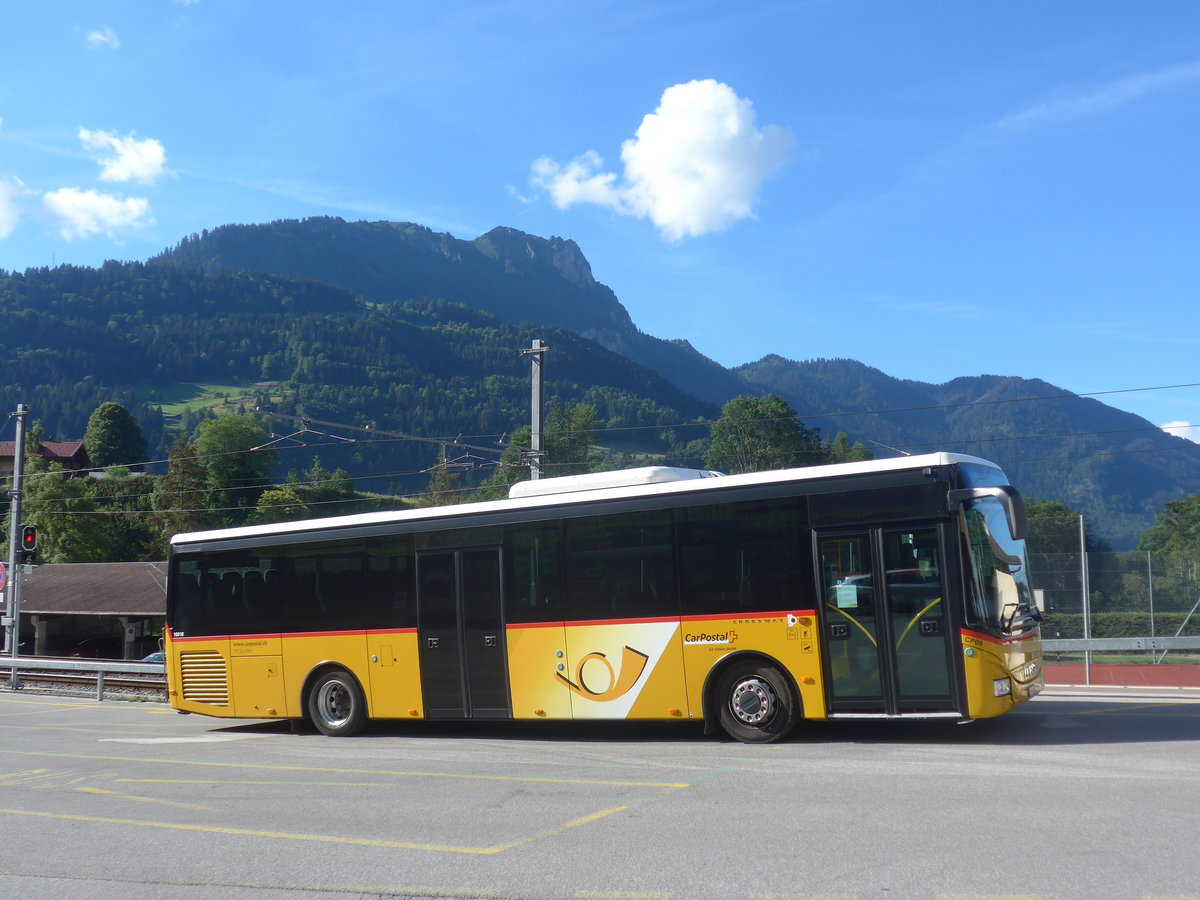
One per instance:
(29, 539)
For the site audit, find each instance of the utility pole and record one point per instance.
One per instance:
(12, 618)
(536, 449)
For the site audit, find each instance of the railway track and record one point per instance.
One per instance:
(84, 683)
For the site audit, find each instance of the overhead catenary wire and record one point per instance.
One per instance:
(380, 437)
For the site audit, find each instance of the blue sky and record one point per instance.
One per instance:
(936, 189)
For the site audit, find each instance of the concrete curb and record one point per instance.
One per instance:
(1121, 691)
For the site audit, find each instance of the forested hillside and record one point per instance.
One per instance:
(420, 333)
(74, 337)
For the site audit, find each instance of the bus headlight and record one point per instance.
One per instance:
(1002, 687)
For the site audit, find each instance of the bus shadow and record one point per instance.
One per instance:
(1042, 723)
(480, 729)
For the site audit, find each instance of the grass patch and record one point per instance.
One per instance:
(180, 396)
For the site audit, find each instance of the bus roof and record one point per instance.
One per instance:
(620, 484)
(595, 481)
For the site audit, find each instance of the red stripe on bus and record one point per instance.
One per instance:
(272, 634)
(781, 614)
(995, 640)
(577, 623)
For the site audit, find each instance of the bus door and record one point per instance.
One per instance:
(460, 634)
(884, 629)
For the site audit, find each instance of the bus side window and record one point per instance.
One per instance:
(533, 563)
(187, 600)
(743, 557)
(620, 565)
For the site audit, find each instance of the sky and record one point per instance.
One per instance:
(935, 189)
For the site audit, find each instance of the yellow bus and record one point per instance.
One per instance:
(889, 588)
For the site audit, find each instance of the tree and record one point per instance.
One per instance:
(1175, 544)
(1177, 528)
(324, 488)
(233, 452)
(444, 487)
(839, 450)
(34, 461)
(181, 497)
(570, 435)
(126, 502)
(280, 504)
(1054, 528)
(513, 467)
(113, 437)
(64, 510)
(568, 441)
(759, 433)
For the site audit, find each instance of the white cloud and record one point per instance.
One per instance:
(83, 213)
(104, 37)
(695, 165)
(1183, 430)
(580, 181)
(10, 211)
(126, 158)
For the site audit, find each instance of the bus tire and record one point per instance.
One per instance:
(336, 704)
(757, 703)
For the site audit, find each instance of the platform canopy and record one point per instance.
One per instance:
(106, 589)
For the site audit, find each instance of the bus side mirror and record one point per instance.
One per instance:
(1014, 506)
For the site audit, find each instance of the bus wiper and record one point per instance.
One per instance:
(1021, 618)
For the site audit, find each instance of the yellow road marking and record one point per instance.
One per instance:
(624, 895)
(31, 777)
(74, 703)
(40, 712)
(395, 773)
(103, 792)
(317, 838)
(550, 832)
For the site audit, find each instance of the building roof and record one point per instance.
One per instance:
(69, 453)
(107, 589)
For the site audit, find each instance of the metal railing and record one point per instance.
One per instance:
(100, 666)
(1082, 645)
(1158, 647)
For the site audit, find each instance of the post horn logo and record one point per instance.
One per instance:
(633, 662)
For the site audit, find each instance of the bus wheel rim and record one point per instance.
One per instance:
(334, 702)
(752, 701)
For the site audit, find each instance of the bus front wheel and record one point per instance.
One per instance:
(336, 704)
(757, 703)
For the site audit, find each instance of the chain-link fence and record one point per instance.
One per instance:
(1089, 593)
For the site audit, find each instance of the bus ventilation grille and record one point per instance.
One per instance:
(204, 678)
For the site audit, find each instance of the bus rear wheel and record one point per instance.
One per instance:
(757, 703)
(336, 704)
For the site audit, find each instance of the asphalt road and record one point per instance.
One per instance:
(1070, 797)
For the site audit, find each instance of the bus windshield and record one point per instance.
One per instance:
(998, 593)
